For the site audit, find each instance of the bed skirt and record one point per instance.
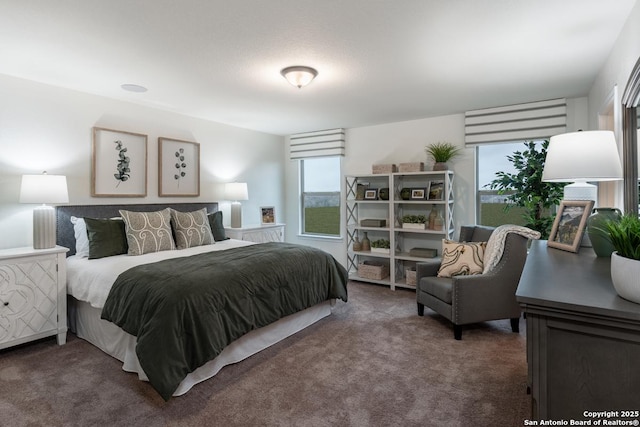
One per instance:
(88, 325)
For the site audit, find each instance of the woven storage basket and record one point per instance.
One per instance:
(373, 271)
(387, 168)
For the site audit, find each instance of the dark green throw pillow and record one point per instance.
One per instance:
(215, 222)
(107, 237)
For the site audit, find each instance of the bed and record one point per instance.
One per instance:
(176, 317)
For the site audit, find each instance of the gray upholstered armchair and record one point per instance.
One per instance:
(476, 298)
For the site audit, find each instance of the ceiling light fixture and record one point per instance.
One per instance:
(133, 88)
(299, 75)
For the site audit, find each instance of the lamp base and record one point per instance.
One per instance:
(236, 215)
(581, 191)
(44, 227)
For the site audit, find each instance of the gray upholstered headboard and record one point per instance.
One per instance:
(64, 228)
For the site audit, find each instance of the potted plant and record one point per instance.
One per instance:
(414, 221)
(624, 235)
(441, 153)
(527, 188)
(381, 246)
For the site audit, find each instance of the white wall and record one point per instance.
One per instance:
(614, 74)
(48, 128)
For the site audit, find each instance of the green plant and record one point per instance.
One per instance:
(625, 235)
(536, 197)
(381, 243)
(442, 152)
(414, 219)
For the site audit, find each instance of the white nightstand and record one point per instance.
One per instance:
(33, 295)
(257, 233)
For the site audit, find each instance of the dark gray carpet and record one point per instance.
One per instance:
(374, 362)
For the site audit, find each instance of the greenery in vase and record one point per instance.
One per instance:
(442, 152)
(381, 243)
(624, 235)
(528, 191)
(414, 219)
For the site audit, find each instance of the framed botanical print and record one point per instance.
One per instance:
(178, 168)
(118, 163)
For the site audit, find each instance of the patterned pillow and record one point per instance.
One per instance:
(461, 258)
(191, 228)
(148, 231)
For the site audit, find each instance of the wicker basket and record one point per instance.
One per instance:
(373, 270)
(411, 167)
(388, 168)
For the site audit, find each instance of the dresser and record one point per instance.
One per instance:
(258, 233)
(33, 295)
(583, 340)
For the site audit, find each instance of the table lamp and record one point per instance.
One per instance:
(44, 189)
(236, 191)
(580, 158)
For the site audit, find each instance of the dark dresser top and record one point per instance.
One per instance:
(564, 281)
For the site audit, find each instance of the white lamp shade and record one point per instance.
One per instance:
(44, 189)
(582, 157)
(236, 191)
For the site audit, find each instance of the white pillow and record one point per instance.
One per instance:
(82, 240)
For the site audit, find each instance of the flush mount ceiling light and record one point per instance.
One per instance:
(133, 88)
(299, 75)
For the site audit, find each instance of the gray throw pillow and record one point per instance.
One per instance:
(191, 228)
(148, 231)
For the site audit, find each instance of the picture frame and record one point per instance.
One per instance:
(118, 163)
(371, 194)
(436, 190)
(178, 168)
(418, 193)
(569, 224)
(267, 215)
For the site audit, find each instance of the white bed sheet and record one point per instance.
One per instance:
(89, 282)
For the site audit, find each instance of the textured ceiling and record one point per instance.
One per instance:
(379, 61)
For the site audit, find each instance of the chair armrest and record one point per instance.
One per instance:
(427, 268)
(483, 297)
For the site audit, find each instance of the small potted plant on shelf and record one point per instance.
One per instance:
(441, 153)
(625, 260)
(381, 246)
(418, 222)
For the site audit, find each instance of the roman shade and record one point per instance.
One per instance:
(515, 123)
(324, 143)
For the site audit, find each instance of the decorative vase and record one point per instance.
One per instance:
(405, 193)
(624, 275)
(357, 244)
(440, 166)
(383, 194)
(438, 222)
(595, 225)
(366, 243)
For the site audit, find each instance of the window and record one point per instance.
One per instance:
(492, 158)
(320, 196)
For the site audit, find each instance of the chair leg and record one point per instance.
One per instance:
(515, 324)
(420, 309)
(457, 332)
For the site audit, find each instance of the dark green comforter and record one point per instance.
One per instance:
(184, 311)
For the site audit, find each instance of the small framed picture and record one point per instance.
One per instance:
(267, 215)
(371, 194)
(178, 168)
(436, 190)
(569, 224)
(118, 163)
(418, 193)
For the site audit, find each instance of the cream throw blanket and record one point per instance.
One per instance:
(495, 245)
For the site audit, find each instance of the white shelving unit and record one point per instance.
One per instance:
(402, 240)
